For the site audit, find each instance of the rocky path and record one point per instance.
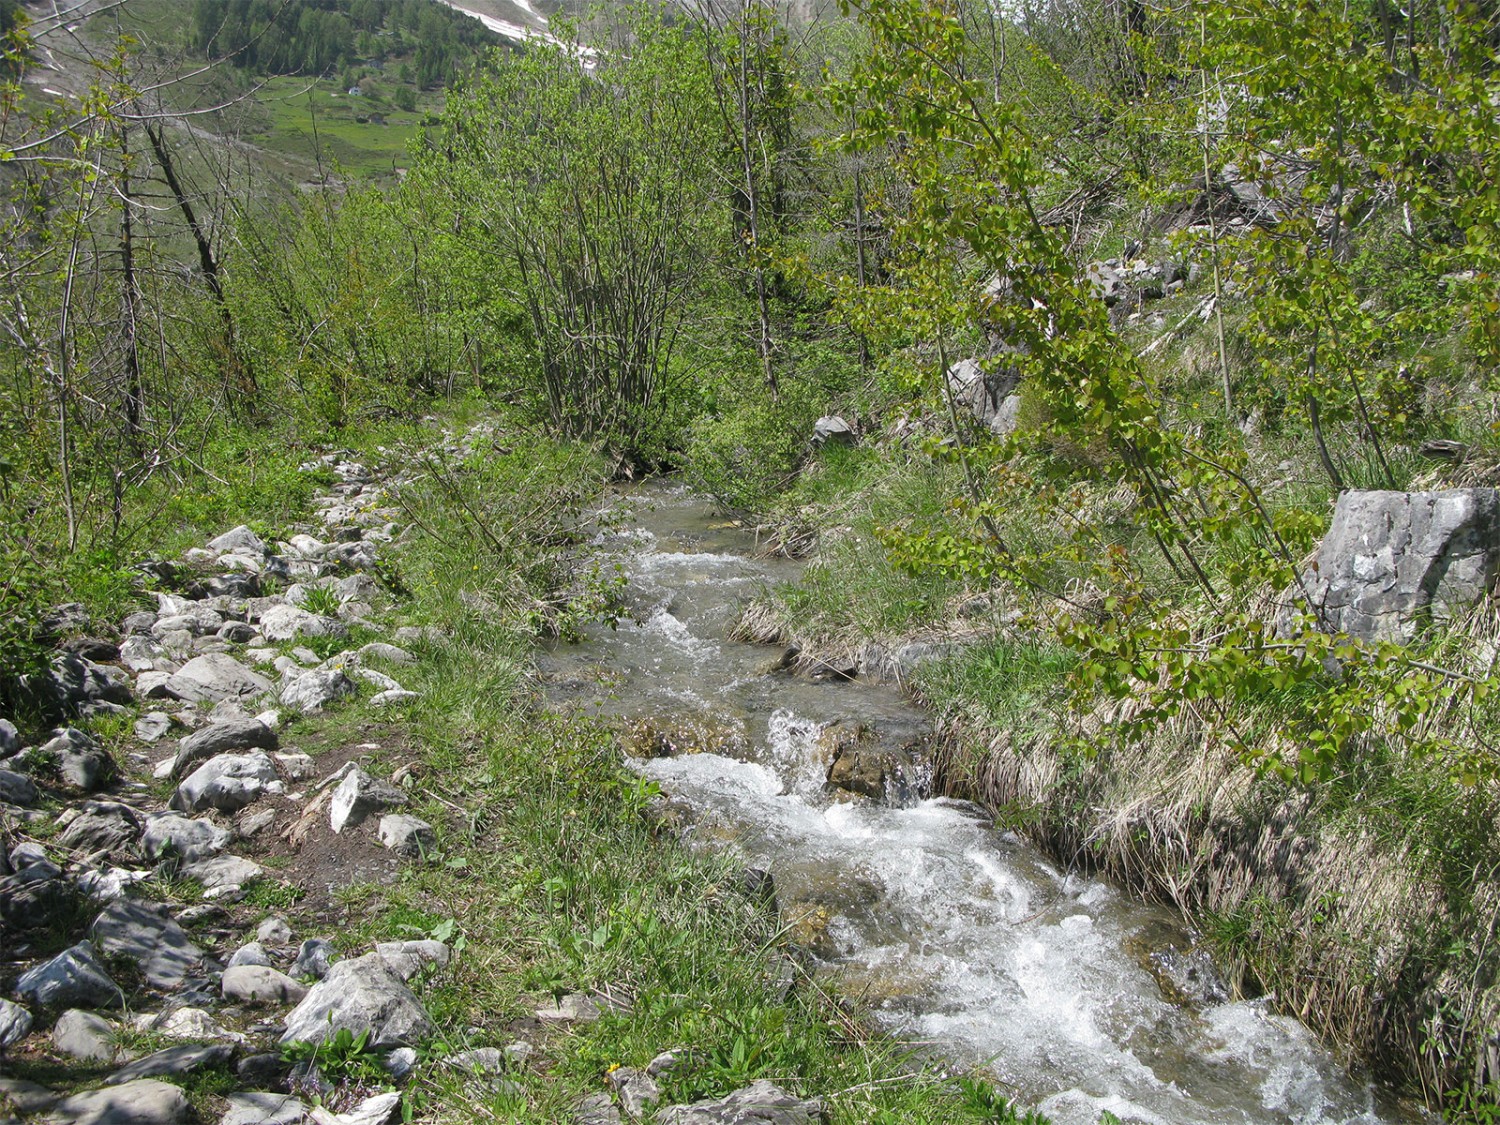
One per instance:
(151, 977)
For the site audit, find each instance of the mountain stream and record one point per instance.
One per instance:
(1078, 997)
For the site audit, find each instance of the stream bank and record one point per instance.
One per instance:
(963, 938)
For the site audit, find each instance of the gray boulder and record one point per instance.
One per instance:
(159, 945)
(407, 835)
(596, 1109)
(221, 736)
(314, 959)
(213, 677)
(760, 1103)
(313, 690)
(74, 978)
(101, 826)
(143, 1102)
(263, 1109)
(260, 984)
(1392, 561)
(170, 835)
(251, 953)
(832, 430)
(408, 958)
(288, 622)
(84, 1035)
(359, 796)
(17, 789)
(153, 726)
(81, 761)
(363, 993)
(984, 393)
(15, 1024)
(227, 783)
(238, 541)
(223, 872)
(10, 738)
(73, 685)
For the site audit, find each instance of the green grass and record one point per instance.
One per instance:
(315, 123)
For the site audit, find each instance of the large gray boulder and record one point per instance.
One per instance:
(73, 978)
(1392, 561)
(159, 945)
(214, 677)
(221, 736)
(171, 835)
(144, 1102)
(363, 993)
(760, 1103)
(227, 783)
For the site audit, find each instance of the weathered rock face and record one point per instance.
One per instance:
(361, 993)
(761, 1103)
(1392, 560)
(987, 395)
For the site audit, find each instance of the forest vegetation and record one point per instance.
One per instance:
(674, 239)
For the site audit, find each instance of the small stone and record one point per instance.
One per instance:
(239, 541)
(251, 953)
(311, 691)
(101, 826)
(184, 1023)
(482, 1060)
(153, 726)
(400, 1063)
(18, 789)
(379, 1110)
(393, 697)
(761, 1101)
(295, 766)
(84, 1035)
(407, 835)
(263, 1109)
(664, 1063)
(572, 1008)
(274, 931)
(174, 1062)
(637, 1091)
(110, 884)
(171, 835)
(252, 824)
(363, 993)
(314, 959)
(10, 739)
(262, 1071)
(257, 984)
(15, 1023)
(74, 977)
(596, 1109)
(520, 1052)
(380, 652)
(223, 736)
(358, 796)
(223, 872)
(143, 1102)
(408, 958)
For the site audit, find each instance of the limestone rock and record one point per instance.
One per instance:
(84, 1035)
(174, 1062)
(227, 783)
(15, 1023)
(170, 835)
(1391, 560)
(213, 677)
(263, 1109)
(637, 1090)
(251, 953)
(18, 789)
(313, 690)
(983, 393)
(223, 736)
(101, 826)
(274, 931)
(408, 958)
(358, 796)
(572, 1008)
(10, 738)
(258, 984)
(596, 1109)
(314, 959)
(143, 1102)
(239, 541)
(407, 835)
(81, 761)
(832, 430)
(162, 948)
(74, 977)
(360, 993)
(761, 1103)
(223, 872)
(379, 1110)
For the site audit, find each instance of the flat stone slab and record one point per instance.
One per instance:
(264, 1109)
(174, 1062)
(158, 944)
(143, 1102)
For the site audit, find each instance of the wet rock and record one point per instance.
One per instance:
(214, 677)
(159, 945)
(596, 1109)
(170, 835)
(762, 1103)
(408, 958)
(359, 796)
(146, 1101)
(314, 959)
(223, 736)
(227, 783)
(174, 1062)
(18, 789)
(251, 953)
(361, 993)
(73, 978)
(101, 826)
(637, 1091)
(263, 1109)
(313, 690)
(15, 1024)
(84, 1035)
(1393, 560)
(863, 770)
(572, 1008)
(258, 984)
(407, 835)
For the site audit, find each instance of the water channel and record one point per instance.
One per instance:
(958, 935)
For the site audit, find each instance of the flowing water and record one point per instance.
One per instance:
(1077, 997)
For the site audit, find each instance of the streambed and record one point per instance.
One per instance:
(1077, 997)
